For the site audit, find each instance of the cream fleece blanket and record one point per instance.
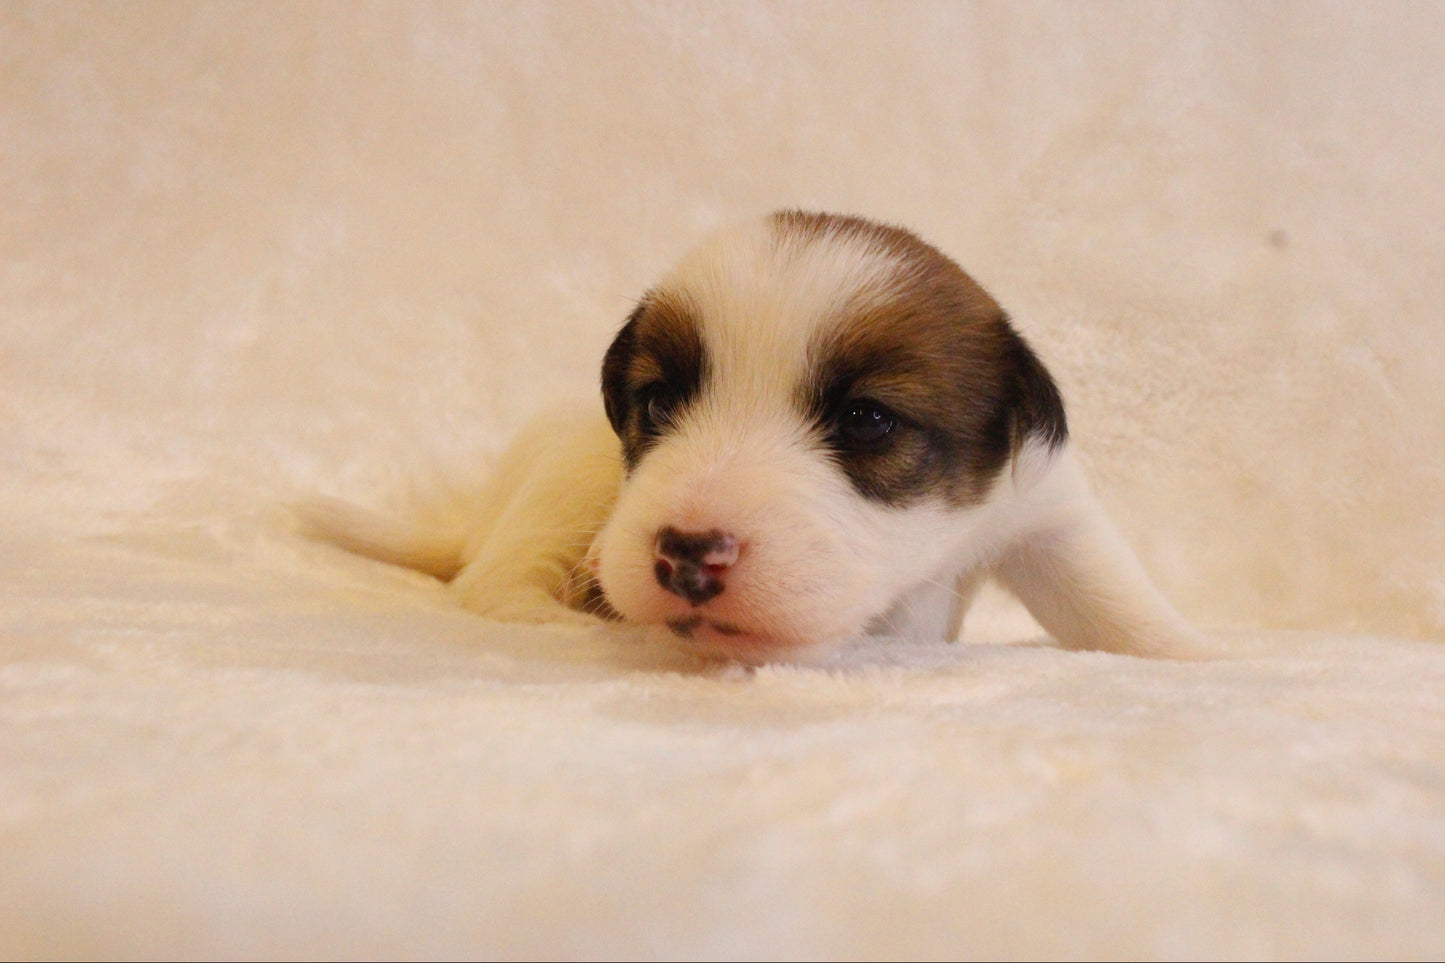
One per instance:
(254, 251)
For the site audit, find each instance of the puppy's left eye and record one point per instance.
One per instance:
(655, 408)
(865, 422)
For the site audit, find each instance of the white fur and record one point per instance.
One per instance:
(818, 562)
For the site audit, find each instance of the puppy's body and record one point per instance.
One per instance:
(817, 426)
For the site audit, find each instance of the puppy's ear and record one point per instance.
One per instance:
(615, 367)
(1038, 408)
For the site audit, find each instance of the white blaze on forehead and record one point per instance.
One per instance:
(763, 293)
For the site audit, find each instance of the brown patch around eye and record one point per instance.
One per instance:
(934, 350)
(655, 366)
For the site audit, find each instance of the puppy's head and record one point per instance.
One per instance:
(813, 409)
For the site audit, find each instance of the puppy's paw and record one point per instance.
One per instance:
(528, 604)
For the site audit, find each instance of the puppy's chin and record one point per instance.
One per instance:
(724, 642)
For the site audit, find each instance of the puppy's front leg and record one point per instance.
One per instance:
(526, 561)
(1085, 586)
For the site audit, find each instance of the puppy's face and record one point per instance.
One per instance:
(812, 410)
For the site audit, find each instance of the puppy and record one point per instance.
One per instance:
(816, 426)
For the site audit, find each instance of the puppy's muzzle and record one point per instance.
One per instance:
(693, 565)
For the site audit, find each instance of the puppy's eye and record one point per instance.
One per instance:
(865, 422)
(654, 407)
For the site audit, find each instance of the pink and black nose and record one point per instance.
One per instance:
(693, 565)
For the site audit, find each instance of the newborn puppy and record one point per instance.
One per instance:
(817, 426)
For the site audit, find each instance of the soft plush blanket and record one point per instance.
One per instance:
(252, 252)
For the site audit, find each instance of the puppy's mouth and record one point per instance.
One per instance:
(687, 626)
(719, 639)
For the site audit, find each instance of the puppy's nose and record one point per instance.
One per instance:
(693, 564)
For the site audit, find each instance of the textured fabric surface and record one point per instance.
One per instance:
(254, 251)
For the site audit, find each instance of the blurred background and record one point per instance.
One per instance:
(254, 249)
